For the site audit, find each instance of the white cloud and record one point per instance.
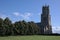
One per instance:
(56, 29)
(16, 13)
(2, 16)
(26, 15)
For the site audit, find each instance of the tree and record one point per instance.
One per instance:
(7, 23)
(1, 23)
(33, 28)
(18, 28)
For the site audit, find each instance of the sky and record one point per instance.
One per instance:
(30, 10)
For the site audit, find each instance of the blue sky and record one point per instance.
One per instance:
(30, 10)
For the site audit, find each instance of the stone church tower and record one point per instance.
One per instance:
(45, 21)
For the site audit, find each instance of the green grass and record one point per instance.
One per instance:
(34, 37)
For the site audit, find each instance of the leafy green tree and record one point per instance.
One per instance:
(1, 24)
(7, 23)
(18, 28)
(2, 28)
(33, 28)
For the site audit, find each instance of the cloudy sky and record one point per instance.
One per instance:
(30, 10)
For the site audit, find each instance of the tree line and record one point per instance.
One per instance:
(18, 28)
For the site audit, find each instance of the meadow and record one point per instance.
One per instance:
(32, 37)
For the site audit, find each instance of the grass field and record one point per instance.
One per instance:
(34, 37)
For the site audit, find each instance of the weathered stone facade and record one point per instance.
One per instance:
(45, 24)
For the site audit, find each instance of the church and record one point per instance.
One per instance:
(45, 24)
